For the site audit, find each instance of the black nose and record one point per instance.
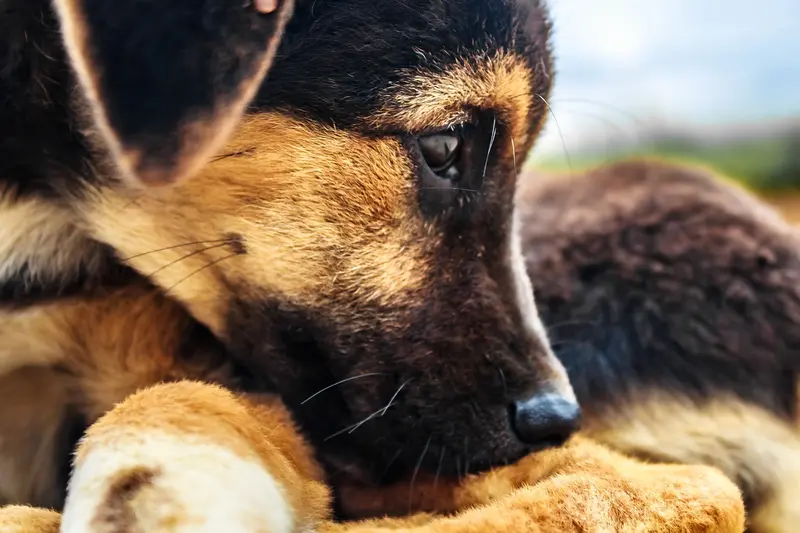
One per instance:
(545, 420)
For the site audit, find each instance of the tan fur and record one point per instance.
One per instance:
(131, 344)
(748, 443)
(334, 213)
(107, 348)
(337, 214)
(246, 428)
(21, 519)
(501, 83)
(30, 337)
(581, 487)
(339, 209)
(43, 236)
(566, 489)
(112, 344)
(35, 400)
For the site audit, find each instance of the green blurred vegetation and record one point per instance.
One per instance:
(764, 164)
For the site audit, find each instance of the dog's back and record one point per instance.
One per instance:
(673, 300)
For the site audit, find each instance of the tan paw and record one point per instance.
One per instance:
(20, 519)
(157, 482)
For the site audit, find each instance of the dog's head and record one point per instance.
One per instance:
(354, 243)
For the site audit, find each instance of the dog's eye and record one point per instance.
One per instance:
(452, 164)
(440, 151)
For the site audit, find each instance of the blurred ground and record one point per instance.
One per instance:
(710, 81)
(764, 160)
(787, 202)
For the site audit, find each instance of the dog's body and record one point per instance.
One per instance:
(673, 300)
(331, 242)
(321, 241)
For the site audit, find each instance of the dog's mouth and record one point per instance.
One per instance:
(382, 404)
(439, 461)
(383, 457)
(404, 487)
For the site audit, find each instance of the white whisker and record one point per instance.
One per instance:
(339, 383)
(491, 143)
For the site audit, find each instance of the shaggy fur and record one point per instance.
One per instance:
(165, 479)
(317, 258)
(312, 247)
(674, 304)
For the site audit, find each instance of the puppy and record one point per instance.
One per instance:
(354, 229)
(673, 300)
(213, 461)
(350, 250)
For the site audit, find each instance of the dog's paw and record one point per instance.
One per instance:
(697, 499)
(162, 483)
(22, 519)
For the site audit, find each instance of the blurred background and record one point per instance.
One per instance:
(709, 81)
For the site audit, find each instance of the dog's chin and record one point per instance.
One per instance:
(358, 471)
(361, 493)
(352, 471)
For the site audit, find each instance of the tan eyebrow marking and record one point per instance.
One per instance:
(424, 99)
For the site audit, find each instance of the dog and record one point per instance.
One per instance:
(674, 304)
(184, 196)
(215, 461)
(310, 199)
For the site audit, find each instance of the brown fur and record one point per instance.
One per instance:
(21, 519)
(34, 436)
(312, 252)
(113, 344)
(303, 219)
(673, 297)
(581, 487)
(117, 515)
(749, 444)
(326, 223)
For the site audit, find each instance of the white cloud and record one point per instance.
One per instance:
(622, 63)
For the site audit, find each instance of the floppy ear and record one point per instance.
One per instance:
(168, 80)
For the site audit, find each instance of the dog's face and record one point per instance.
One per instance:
(358, 228)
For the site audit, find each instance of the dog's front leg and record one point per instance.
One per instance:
(22, 519)
(190, 457)
(581, 487)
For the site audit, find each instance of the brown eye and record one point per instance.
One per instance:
(440, 151)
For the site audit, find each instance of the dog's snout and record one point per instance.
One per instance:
(545, 420)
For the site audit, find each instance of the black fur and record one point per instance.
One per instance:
(41, 151)
(18, 291)
(160, 66)
(150, 90)
(384, 42)
(689, 293)
(466, 328)
(339, 61)
(673, 282)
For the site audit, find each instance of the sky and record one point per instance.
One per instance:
(681, 63)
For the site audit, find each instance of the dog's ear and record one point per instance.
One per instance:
(168, 80)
